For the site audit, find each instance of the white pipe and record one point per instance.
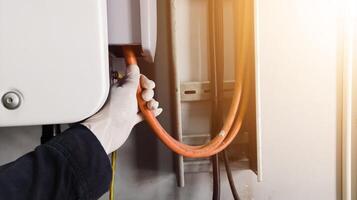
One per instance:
(347, 101)
(177, 84)
(258, 89)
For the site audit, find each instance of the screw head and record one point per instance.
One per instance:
(11, 100)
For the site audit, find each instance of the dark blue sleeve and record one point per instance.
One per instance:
(72, 165)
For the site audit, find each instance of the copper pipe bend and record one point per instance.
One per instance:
(234, 120)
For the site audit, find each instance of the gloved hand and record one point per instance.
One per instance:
(113, 124)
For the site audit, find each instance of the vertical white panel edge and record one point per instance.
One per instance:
(257, 89)
(148, 20)
(176, 76)
(347, 102)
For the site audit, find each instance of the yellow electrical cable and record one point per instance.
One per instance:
(112, 184)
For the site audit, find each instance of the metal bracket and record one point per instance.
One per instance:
(201, 91)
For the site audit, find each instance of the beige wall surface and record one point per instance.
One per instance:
(297, 46)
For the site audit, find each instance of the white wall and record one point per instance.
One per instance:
(297, 46)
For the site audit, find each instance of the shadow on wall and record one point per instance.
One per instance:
(17, 141)
(150, 153)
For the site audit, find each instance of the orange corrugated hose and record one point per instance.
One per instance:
(244, 61)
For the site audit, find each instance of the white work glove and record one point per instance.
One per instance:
(113, 124)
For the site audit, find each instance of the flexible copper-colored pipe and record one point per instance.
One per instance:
(172, 143)
(207, 150)
(233, 123)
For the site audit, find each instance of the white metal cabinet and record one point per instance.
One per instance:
(54, 55)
